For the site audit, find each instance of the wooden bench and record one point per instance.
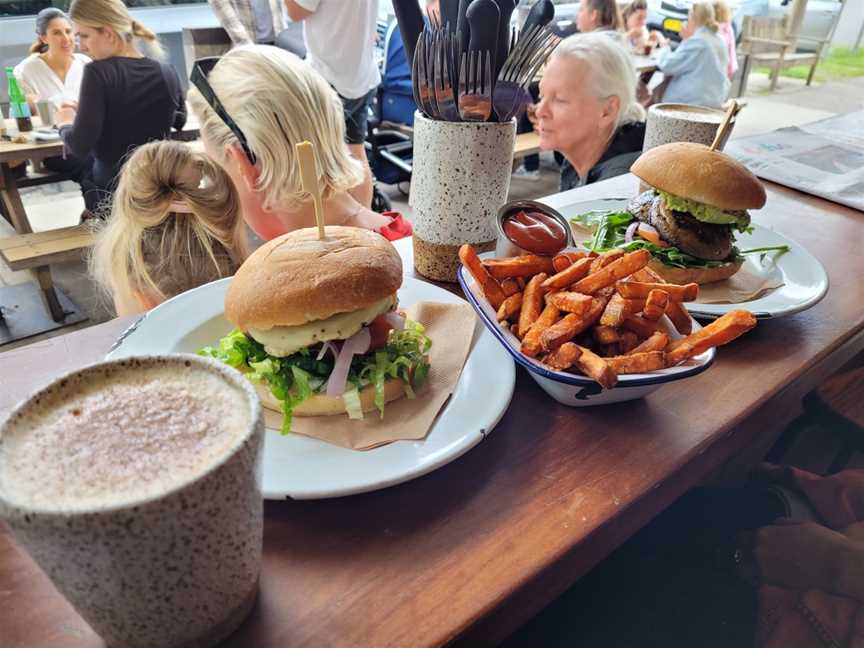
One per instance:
(526, 144)
(38, 250)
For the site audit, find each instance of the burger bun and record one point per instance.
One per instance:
(324, 405)
(675, 275)
(696, 172)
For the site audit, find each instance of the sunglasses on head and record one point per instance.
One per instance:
(200, 71)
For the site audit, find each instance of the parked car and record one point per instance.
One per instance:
(669, 16)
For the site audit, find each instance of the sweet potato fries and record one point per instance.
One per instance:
(602, 316)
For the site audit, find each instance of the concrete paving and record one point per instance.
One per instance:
(793, 103)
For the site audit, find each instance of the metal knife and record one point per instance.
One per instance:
(541, 14)
(462, 30)
(506, 8)
(482, 17)
(449, 14)
(410, 20)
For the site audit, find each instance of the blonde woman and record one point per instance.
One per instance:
(174, 225)
(588, 110)
(723, 16)
(54, 69)
(126, 98)
(698, 67)
(268, 100)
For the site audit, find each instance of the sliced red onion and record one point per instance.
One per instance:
(395, 320)
(631, 231)
(356, 344)
(328, 346)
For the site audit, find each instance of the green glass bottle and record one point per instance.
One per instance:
(18, 106)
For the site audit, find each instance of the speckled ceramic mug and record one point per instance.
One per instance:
(155, 540)
(671, 122)
(461, 178)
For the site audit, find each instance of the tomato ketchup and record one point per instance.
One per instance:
(535, 232)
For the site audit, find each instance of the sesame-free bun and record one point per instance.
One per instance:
(676, 275)
(297, 278)
(324, 405)
(695, 172)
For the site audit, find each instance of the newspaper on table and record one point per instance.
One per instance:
(825, 158)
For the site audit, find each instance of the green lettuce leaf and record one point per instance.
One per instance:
(295, 378)
(611, 228)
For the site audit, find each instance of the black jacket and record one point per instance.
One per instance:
(625, 147)
(123, 103)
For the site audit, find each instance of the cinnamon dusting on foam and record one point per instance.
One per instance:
(129, 436)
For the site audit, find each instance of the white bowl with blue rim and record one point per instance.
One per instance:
(573, 389)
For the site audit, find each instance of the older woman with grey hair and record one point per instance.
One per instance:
(588, 109)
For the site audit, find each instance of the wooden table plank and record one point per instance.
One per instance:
(472, 550)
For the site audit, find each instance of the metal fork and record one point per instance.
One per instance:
(533, 48)
(475, 86)
(424, 90)
(443, 55)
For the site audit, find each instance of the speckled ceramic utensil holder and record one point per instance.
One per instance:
(177, 569)
(461, 178)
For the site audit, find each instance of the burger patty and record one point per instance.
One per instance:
(701, 240)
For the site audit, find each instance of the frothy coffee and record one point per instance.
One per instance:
(124, 435)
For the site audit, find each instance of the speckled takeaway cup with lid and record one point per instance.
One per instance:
(155, 546)
(672, 122)
(460, 179)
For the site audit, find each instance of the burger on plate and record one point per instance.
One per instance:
(698, 200)
(317, 327)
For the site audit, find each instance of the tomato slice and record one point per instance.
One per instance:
(650, 235)
(379, 330)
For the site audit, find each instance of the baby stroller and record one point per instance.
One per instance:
(388, 142)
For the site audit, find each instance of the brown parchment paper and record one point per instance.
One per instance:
(451, 328)
(751, 282)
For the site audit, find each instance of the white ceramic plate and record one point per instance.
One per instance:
(805, 281)
(300, 467)
(576, 390)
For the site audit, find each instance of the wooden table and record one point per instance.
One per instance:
(473, 550)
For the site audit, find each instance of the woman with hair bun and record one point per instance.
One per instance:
(53, 70)
(175, 224)
(127, 98)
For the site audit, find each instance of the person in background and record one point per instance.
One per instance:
(723, 16)
(698, 67)
(272, 101)
(127, 99)
(588, 109)
(53, 71)
(599, 15)
(258, 21)
(635, 17)
(340, 45)
(175, 224)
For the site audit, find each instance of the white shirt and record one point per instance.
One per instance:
(340, 43)
(37, 78)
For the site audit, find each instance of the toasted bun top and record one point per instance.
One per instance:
(296, 278)
(696, 172)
